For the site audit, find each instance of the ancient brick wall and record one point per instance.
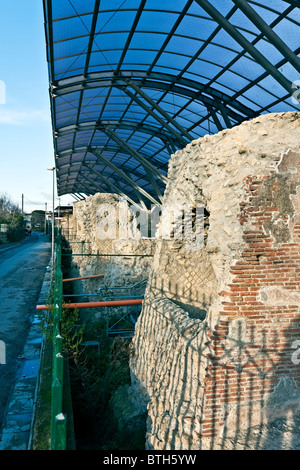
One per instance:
(252, 378)
(224, 379)
(91, 236)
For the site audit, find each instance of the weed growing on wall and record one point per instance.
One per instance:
(71, 330)
(94, 380)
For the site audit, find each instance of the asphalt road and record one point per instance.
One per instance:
(22, 270)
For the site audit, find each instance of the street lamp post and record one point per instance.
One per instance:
(45, 218)
(52, 254)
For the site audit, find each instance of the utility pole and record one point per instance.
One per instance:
(59, 212)
(45, 217)
(53, 219)
(22, 204)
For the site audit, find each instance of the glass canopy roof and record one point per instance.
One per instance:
(132, 81)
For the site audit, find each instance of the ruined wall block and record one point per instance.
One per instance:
(240, 371)
(97, 229)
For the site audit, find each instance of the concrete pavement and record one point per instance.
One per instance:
(22, 274)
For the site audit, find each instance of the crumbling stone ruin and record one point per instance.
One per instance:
(215, 352)
(88, 235)
(215, 348)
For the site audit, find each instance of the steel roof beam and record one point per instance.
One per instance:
(262, 77)
(183, 86)
(225, 117)
(136, 127)
(292, 2)
(207, 42)
(160, 110)
(124, 176)
(243, 42)
(269, 33)
(96, 148)
(137, 193)
(156, 117)
(216, 120)
(89, 192)
(140, 206)
(97, 187)
(171, 147)
(88, 56)
(49, 30)
(171, 34)
(139, 197)
(109, 184)
(88, 188)
(92, 36)
(240, 54)
(129, 38)
(136, 155)
(155, 185)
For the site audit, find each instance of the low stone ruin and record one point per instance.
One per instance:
(215, 360)
(215, 356)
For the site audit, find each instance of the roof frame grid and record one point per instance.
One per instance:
(149, 105)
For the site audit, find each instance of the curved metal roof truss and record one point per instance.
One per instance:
(132, 81)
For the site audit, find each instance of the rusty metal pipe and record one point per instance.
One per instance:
(84, 277)
(111, 303)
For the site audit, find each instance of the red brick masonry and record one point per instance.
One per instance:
(252, 346)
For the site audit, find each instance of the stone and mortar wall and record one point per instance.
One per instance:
(219, 381)
(86, 236)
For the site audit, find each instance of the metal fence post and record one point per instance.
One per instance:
(58, 420)
(60, 442)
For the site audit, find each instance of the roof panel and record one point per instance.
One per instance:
(289, 32)
(63, 9)
(110, 40)
(70, 48)
(72, 27)
(67, 67)
(157, 21)
(132, 81)
(188, 27)
(114, 20)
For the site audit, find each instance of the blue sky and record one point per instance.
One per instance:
(26, 146)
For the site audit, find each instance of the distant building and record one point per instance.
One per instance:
(63, 214)
(27, 221)
(38, 221)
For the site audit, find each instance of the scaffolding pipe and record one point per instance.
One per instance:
(84, 277)
(112, 303)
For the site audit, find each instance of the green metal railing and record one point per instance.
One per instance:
(58, 419)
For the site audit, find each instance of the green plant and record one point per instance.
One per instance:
(71, 331)
(94, 380)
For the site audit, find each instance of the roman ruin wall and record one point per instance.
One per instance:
(94, 230)
(214, 352)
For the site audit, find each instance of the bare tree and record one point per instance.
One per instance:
(10, 213)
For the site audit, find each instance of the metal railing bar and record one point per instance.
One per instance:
(95, 276)
(113, 303)
(113, 255)
(119, 297)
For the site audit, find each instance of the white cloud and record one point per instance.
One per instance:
(21, 118)
(2, 92)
